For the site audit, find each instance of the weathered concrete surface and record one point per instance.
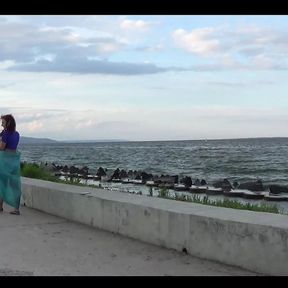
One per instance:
(246, 239)
(39, 244)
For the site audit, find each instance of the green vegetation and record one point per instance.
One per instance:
(227, 203)
(163, 193)
(32, 170)
(39, 172)
(150, 191)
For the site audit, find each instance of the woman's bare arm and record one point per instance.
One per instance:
(2, 145)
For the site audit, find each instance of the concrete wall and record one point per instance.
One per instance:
(252, 240)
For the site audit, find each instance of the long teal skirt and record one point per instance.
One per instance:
(10, 178)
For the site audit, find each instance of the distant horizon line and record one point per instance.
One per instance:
(170, 140)
(126, 140)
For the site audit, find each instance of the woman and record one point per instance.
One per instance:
(10, 183)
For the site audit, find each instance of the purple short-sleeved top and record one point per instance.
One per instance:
(11, 139)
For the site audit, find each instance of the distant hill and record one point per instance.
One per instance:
(93, 141)
(32, 140)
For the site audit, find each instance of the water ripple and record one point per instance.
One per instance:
(239, 160)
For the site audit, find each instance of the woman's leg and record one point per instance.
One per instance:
(1, 204)
(15, 212)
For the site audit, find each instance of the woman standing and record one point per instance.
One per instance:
(10, 180)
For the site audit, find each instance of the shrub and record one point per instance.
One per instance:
(32, 170)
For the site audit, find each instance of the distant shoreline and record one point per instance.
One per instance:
(31, 140)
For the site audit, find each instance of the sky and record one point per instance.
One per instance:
(145, 77)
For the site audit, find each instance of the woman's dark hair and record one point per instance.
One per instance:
(10, 122)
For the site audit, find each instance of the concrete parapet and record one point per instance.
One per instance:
(255, 241)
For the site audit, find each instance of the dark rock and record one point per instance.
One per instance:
(100, 172)
(116, 174)
(187, 181)
(145, 176)
(235, 184)
(252, 186)
(130, 174)
(223, 184)
(84, 171)
(123, 174)
(203, 182)
(65, 169)
(138, 177)
(176, 179)
(226, 185)
(277, 189)
(197, 182)
(73, 170)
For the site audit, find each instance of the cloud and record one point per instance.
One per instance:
(154, 48)
(251, 51)
(32, 117)
(89, 43)
(34, 126)
(26, 115)
(135, 25)
(241, 84)
(245, 47)
(84, 66)
(198, 41)
(197, 122)
(23, 43)
(265, 62)
(30, 48)
(6, 85)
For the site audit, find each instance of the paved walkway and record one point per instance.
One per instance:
(39, 244)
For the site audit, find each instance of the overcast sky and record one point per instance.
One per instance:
(145, 77)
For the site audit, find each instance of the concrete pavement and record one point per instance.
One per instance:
(39, 244)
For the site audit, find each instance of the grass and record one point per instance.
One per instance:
(227, 203)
